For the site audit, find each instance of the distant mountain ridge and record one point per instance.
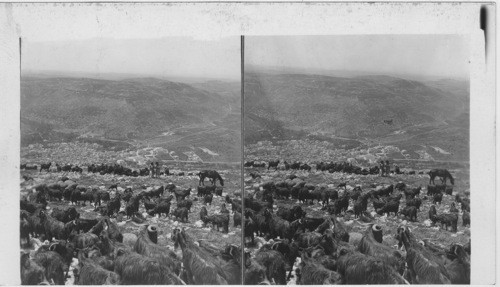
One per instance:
(343, 73)
(117, 76)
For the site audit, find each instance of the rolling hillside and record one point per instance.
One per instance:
(372, 109)
(136, 111)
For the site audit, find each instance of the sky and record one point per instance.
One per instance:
(171, 56)
(425, 55)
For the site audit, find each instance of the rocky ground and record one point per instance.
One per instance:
(423, 228)
(367, 154)
(84, 153)
(165, 225)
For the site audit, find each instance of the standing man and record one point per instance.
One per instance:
(387, 167)
(382, 168)
(157, 169)
(396, 169)
(152, 170)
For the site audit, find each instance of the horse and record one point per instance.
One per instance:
(388, 122)
(442, 173)
(212, 175)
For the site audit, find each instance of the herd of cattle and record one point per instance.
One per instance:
(51, 225)
(329, 254)
(325, 251)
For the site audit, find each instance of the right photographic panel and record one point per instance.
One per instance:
(356, 159)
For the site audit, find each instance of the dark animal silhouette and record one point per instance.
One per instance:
(136, 269)
(424, 267)
(433, 189)
(291, 214)
(65, 215)
(417, 202)
(459, 267)
(208, 199)
(181, 213)
(182, 194)
(212, 175)
(444, 174)
(447, 219)
(410, 212)
(437, 198)
(313, 272)
(274, 262)
(185, 203)
(45, 166)
(388, 122)
(466, 218)
(237, 219)
(453, 208)
(53, 264)
(409, 194)
(218, 190)
(55, 228)
(273, 164)
(91, 273)
(218, 221)
(432, 213)
(358, 268)
(31, 272)
(201, 267)
(204, 190)
(390, 206)
(371, 244)
(147, 245)
(162, 208)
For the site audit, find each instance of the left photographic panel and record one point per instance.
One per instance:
(130, 161)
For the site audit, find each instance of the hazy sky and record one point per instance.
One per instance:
(172, 56)
(428, 55)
